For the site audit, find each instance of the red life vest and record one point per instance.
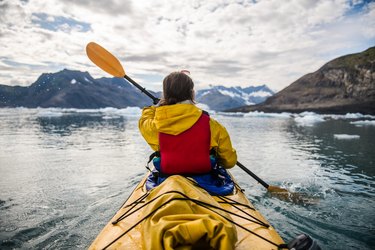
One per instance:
(188, 152)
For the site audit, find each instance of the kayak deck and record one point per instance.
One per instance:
(253, 231)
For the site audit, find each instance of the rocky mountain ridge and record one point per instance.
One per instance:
(73, 89)
(76, 89)
(343, 85)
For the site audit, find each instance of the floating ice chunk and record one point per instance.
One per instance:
(345, 136)
(353, 116)
(262, 114)
(109, 117)
(107, 113)
(130, 111)
(364, 123)
(349, 116)
(114, 113)
(83, 110)
(233, 114)
(308, 119)
(50, 113)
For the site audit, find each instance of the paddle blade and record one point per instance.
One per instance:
(297, 198)
(275, 189)
(104, 60)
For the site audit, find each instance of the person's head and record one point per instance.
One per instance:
(177, 87)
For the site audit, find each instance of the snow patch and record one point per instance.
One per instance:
(345, 136)
(87, 80)
(260, 93)
(229, 93)
(205, 93)
(244, 96)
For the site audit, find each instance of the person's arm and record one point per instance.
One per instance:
(220, 140)
(147, 127)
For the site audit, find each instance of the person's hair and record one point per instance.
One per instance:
(177, 87)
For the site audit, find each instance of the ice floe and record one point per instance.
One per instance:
(308, 119)
(262, 114)
(107, 113)
(364, 123)
(345, 136)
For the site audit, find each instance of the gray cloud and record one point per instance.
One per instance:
(271, 42)
(224, 68)
(10, 10)
(157, 57)
(111, 7)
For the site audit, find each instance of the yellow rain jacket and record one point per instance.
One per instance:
(175, 119)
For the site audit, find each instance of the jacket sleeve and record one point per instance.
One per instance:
(147, 127)
(221, 142)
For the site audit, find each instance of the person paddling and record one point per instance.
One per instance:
(185, 136)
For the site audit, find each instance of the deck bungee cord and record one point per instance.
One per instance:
(233, 203)
(141, 200)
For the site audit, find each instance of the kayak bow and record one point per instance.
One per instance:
(141, 222)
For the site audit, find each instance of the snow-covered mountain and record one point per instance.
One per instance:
(76, 89)
(222, 98)
(73, 89)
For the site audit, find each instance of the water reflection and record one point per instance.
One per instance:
(64, 174)
(357, 156)
(66, 124)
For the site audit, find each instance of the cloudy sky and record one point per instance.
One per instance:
(228, 42)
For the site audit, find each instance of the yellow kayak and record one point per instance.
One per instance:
(178, 214)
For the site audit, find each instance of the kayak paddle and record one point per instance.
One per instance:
(110, 64)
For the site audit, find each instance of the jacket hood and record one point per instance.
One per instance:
(175, 119)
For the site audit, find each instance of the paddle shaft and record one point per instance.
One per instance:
(264, 184)
(154, 99)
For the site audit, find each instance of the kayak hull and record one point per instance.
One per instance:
(253, 230)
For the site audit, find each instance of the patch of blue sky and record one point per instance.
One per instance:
(150, 77)
(59, 23)
(37, 66)
(358, 6)
(16, 64)
(151, 81)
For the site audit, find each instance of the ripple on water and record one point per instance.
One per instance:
(75, 163)
(4, 205)
(20, 237)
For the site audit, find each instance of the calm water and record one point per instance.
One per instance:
(64, 173)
